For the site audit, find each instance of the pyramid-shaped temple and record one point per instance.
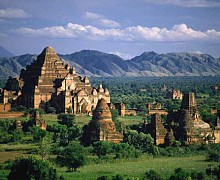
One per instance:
(48, 80)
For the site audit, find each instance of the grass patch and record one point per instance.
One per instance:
(82, 119)
(11, 155)
(128, 120)
(131, 168)
(136, 168)
(50, 118)
(11, 151)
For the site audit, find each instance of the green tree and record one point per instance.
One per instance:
(139, 140)
(118, 177)
(124, 150)
(74, 133)
(208, 117)
(118, 124)
(213, 171)
(114, 113)
(64, 137)
(73, 156)
(198, 175)
(5, 127)
(102, 148)
(31, 168)
(44, 148)
(214, 155)
(152, 175)
(38, 134)
(180, 174)
(152, 149)
(17, 135)
(66, 119)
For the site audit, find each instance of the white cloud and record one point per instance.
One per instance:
(213, 33)
(13, 13)
(122, 55)
(90, 15)
(135, 33)
(188, 3)
(178, 33)
(109, 23)
(197, 52)
(98, 18)
(73, 31)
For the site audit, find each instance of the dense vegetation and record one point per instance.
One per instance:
(59, 152)
(133, 91)
(137, 92)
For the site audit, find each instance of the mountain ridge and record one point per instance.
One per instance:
(99, 64)
(5, 53)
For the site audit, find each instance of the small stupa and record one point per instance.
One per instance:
(102, 127)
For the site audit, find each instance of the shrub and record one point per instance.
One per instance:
(214, 156)
(214, 171)
(124, 150)
(66, 119)
(38, 134)
(102, 148)
(102, 178)
(73, 156)
(180, 174)
(152, 175)
(31, 168)
(17, 135)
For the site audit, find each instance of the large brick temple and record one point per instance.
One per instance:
(49, 80)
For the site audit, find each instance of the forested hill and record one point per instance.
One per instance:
(99, 64)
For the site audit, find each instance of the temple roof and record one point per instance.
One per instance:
(48, 50)
(102, 117)
(44, 71)
(102, 110)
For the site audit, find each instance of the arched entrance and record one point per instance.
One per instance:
(84, 108)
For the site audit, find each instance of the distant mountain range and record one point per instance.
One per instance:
(5, 53)
(99, 64)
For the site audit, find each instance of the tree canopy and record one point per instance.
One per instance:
(32, 168)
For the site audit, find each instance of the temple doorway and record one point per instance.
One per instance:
(84, 108)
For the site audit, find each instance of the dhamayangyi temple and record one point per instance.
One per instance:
(49, 80)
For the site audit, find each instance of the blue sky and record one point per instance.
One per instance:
(124, 27)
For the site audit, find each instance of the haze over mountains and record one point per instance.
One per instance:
(5, 53)
(99, 64)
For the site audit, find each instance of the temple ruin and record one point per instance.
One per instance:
(49, 81)
(175, 94)
(159, 131)
(102, 127)
(193, 128)
(188, 126)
